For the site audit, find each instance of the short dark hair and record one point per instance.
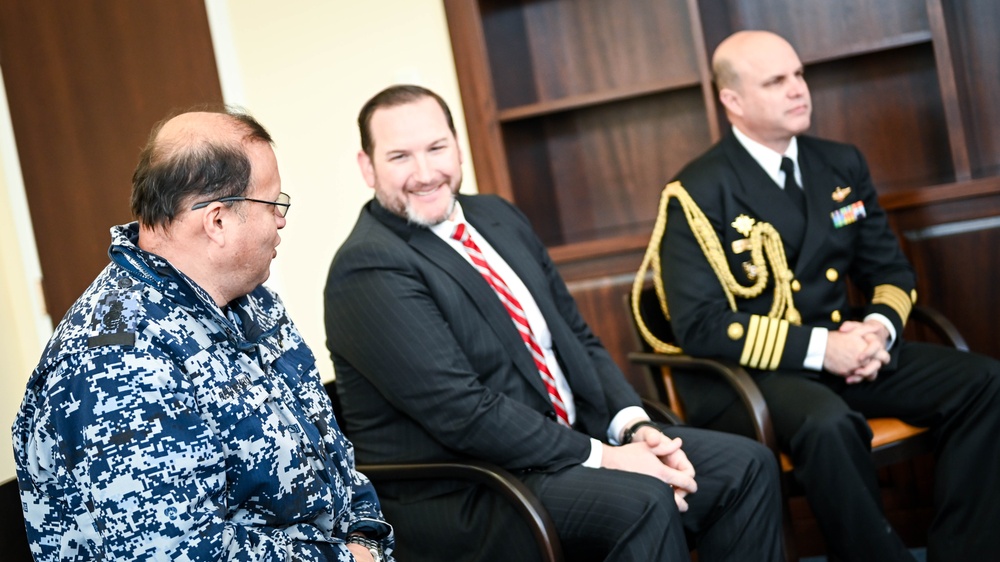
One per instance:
(724, 75)
(390, 97)
(168, 175)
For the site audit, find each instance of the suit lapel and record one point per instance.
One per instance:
(482, 297)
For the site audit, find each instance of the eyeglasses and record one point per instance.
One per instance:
(282, 204)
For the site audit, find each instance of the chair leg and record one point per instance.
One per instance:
(788, 531)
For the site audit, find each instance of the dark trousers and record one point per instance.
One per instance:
(610, 515)
(620, 516)
(821, 423)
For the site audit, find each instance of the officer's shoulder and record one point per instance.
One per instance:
(108, 313)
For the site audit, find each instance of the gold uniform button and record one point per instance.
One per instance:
(835, 316)
(832, 275)
(913, 296)
(796, 286)
(735, 331)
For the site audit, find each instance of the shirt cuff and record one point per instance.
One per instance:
(617, 426)
(816, 350)
(596, 454)
(880, 318)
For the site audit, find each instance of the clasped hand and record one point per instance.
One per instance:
(654, 454)
(857, 351)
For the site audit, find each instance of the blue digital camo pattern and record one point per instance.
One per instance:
(157, 427)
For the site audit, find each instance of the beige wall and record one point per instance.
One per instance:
(24, 325)
(304, 68)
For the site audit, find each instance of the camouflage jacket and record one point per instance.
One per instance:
(158, 426)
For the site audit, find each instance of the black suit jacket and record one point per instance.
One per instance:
(726, 183)
(429, 364)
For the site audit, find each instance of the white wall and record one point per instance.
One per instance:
(303, 68)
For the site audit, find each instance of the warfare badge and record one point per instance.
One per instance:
(840, 193)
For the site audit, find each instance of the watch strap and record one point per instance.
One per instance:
(373, 546)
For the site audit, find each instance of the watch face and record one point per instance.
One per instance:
(375, 554)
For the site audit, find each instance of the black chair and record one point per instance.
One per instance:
(893, 440)
(493, 477)
(12, 535)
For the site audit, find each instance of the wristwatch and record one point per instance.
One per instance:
(630, 432)
(374, 548)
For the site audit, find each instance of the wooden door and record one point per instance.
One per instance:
(86, 80)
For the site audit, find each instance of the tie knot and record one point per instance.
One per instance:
(460, 232)
(787, 165)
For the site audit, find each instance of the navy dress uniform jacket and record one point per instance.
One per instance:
(845, 236)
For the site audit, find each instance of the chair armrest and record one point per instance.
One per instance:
(497, 479)
(940, 325)
(737, 378)
(659, 412)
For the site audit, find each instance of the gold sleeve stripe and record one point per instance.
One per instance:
(895, 298)
(779, 345)
(751, 339)
(772, 332)
(758, 346)
(765, 342)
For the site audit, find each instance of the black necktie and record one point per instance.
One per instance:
(792, 189)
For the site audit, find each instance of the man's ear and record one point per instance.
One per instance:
(731, 101)
(214, 222)
(367, 168)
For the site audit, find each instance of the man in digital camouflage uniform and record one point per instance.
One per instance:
(177, 413)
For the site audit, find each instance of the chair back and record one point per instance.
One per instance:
(12, 534)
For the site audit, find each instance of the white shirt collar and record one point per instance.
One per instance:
(770, 160)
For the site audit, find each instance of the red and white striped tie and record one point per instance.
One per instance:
(517, 315)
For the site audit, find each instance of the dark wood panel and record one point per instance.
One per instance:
(507, 50)
(601, 302)
(574, 47)
(606, 165)
(823, 29)
(889, 105)
(531, 177)
(85, 81)
(975, 44)
(957, 275)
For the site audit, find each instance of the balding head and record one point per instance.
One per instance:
(739, 52)
(194, 155)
